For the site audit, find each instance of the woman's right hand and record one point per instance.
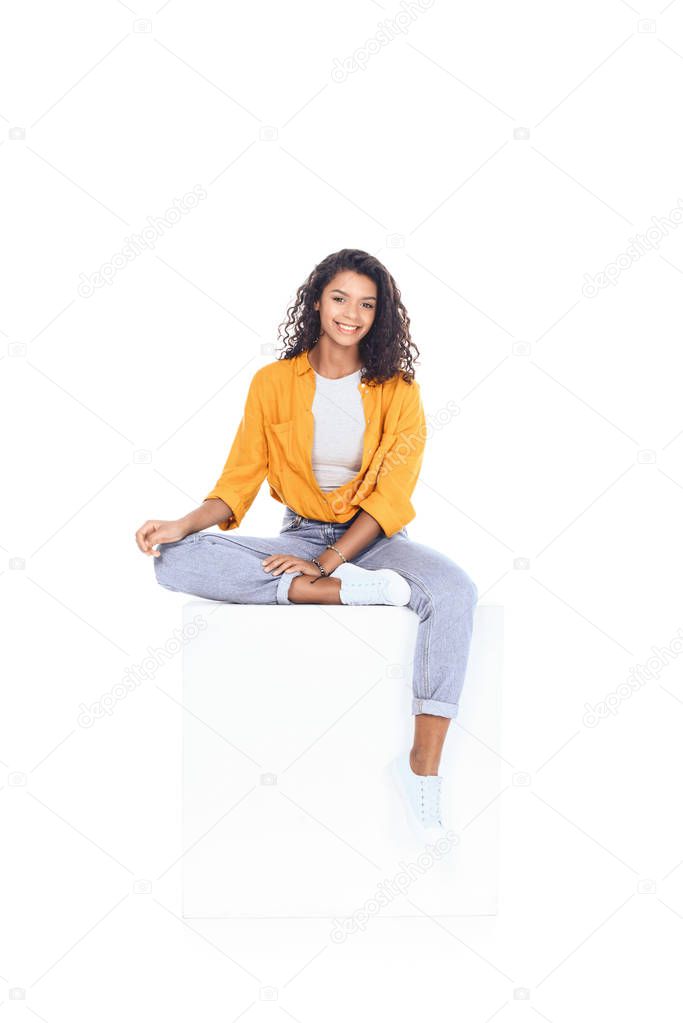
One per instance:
(159, 531)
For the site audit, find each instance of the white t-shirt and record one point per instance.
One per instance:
(339, 430)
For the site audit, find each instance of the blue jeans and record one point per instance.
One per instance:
(226, 566)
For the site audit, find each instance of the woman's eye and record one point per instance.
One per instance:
(339, 298)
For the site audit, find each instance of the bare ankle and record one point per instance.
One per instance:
(423, 763)
(302, 589)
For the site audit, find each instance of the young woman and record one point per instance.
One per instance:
(336, 426)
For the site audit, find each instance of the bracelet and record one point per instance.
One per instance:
(322, 570)
(331, 547)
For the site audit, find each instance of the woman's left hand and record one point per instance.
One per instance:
(279, 563)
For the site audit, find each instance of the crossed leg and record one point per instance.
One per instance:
(442, 595)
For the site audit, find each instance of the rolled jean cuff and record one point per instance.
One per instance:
(283, 584)
(442, 710)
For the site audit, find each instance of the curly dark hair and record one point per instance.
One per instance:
(385, 349)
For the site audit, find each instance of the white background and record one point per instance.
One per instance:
(567, 451)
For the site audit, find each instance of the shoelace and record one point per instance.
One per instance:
(430, 800)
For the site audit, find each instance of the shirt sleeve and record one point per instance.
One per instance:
(389, 503)
(247, 461)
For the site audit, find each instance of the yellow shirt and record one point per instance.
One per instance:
(274, 440)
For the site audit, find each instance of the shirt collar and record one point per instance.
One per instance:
(301, 363)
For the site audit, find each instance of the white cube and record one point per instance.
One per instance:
(293, 714)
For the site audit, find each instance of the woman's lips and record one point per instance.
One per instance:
(344, 329)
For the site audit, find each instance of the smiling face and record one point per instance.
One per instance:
(347, 308)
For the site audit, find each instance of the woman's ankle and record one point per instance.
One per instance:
(302, 590)
(423, 763)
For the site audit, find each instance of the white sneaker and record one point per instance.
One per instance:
(421, 795)
(371, 586)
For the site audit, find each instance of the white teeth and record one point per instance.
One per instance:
(349, 330)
